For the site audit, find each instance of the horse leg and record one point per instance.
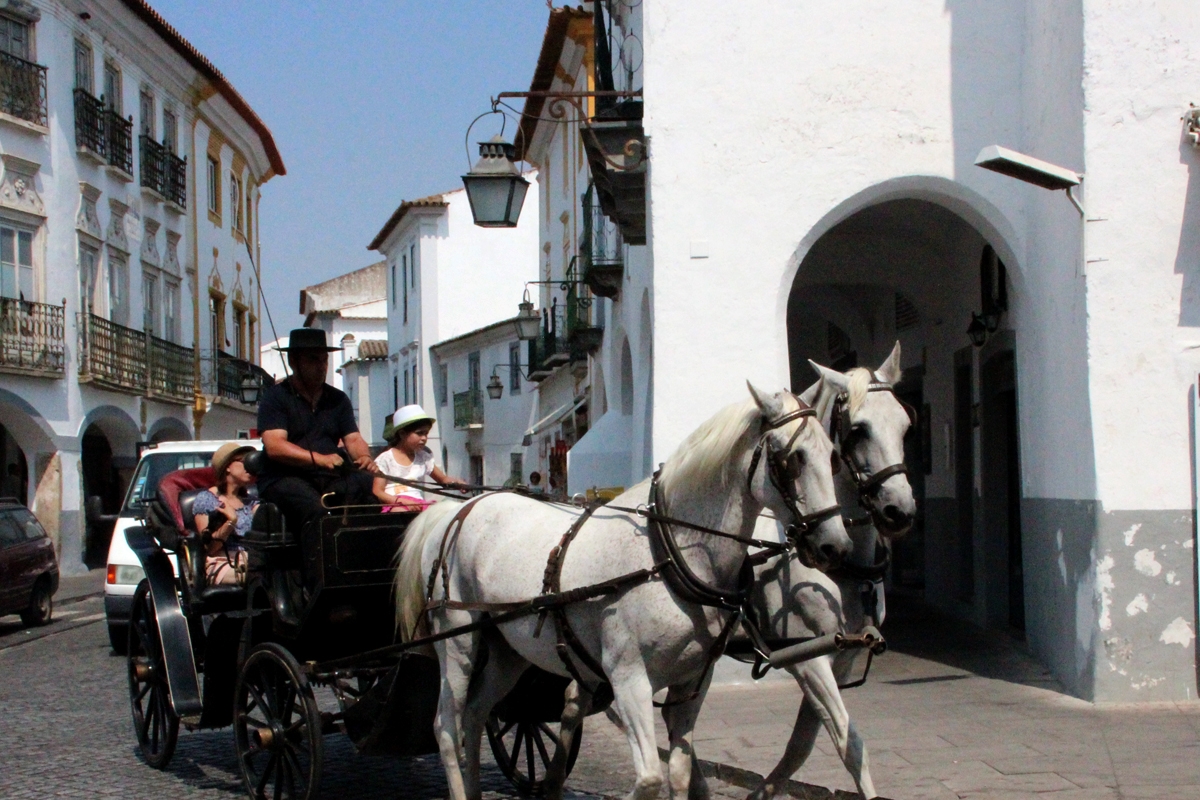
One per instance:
(679, 712)
(493, 679)
(456, 656)
(799, 746)
(577, 703)
(821, 689)
(634, 703)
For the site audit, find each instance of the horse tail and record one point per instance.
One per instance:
(410, 575)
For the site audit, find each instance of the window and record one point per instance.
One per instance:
(412, 262)
(14, 37)
(443, 387)
(393, 284)
(416, 395)
(252, 340)
(395, 392)
(214, 186)
(239, 331)
(16, 262)
(516, 467)
(171, 311)
(473, 371)
(406, 400)
(146, 110)
(170, 138)
(404, 282)
(477, 470)
(235, 201)
(216, 322)
(150, 304)
(112, 87)
(84, 75)
(118, 288)
(514, 368)
(88, 278)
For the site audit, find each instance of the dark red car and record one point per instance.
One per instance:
(28, 568)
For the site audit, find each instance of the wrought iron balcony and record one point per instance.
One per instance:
(615, 143)
(31, 338)
(111, 355)
(119, 135)
(583, 334)
(601, 251)
(153, 164)
(172, 369)
(23, 89)
(551, 349)
(174, 179)
(89, 123)
(221, 374)
(468, 409)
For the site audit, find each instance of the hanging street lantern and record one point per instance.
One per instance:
(977, 330)
(528, 321)
(495, 388)
(495, 186)
(250, 388)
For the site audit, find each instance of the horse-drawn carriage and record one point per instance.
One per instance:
(289, 655)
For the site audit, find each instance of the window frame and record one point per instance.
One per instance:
(20, 270)
(117, 272)
(170, 132)
(146, 114)
(216, 321)
(85, 55)
(214, 187)
(116, 105)
(172, 298)
(150, 303)
(28, 25)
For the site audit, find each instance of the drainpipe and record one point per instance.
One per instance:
(199, 406)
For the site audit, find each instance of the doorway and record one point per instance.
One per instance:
(102, 480)
(1001, 478)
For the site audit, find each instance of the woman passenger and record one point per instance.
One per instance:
(223, 515)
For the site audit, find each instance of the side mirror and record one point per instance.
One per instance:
(255, 462)
(93, 509)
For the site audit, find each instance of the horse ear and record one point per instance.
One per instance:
(771, 405)
(835, 380)
(890, 370)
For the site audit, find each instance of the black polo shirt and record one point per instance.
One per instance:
(282, 408)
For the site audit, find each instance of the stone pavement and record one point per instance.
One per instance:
(954, 712)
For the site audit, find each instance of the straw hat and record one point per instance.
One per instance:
(404, 416)
(225, 454)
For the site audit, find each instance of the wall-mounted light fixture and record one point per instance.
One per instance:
(1030, 170)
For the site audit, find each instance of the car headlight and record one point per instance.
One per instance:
(125, 575)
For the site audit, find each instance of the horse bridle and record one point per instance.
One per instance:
(867, 483)
(804, 524)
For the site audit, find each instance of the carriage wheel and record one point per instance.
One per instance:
(277, 726)
(154, 720)
(523, 751)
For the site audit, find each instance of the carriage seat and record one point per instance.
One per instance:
(206, 599)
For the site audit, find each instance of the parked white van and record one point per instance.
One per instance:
(124, 569)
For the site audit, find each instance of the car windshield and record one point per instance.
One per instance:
(151, 470)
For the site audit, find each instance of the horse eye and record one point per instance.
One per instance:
(795, 465)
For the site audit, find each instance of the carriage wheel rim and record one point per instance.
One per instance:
(274, 725)
(155, 725)
(528, 745)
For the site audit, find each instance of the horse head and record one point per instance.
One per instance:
(791, 473)
(868, 424)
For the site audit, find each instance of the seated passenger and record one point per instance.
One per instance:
(223, 515)
(407, 458)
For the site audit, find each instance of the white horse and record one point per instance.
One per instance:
(643, 637)
(797, 601)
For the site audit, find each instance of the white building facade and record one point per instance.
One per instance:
(128, 244)
(445, 278)
(350, 308)
(808, 190)
(482, 438)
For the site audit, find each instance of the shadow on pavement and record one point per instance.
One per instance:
(917, 629)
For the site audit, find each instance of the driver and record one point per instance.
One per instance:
(301, 420)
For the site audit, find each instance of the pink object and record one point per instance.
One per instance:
(176, 483)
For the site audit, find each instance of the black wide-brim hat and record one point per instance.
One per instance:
(307, 339)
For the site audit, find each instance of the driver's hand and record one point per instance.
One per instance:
(330, 461)
(367, 463)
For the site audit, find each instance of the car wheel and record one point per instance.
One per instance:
(41, 605)
(118, 637)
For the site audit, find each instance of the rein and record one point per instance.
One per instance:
(865, 481)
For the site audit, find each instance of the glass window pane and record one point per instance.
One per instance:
(25, 248)
(8, 245)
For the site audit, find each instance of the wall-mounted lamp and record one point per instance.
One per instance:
(1030, 170)
(528, 322)
(250, 389)
(495, 386)
(977, 331)
(494, 185)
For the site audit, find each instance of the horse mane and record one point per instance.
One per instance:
(860, 380)
(704, 456)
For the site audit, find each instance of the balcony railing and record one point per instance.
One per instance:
(23, 89)
(31, 338)
(111, 355)
(174, 179)
(119, 133)
(172, 369)
(551, 349)
(89, 123)
(468, 409)
(582, 331)
(221, 374)
(601, 250)
(153, 164)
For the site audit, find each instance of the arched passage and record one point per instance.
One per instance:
(913, 270)
(108, 455)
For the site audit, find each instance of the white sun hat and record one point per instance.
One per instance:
(405, 416)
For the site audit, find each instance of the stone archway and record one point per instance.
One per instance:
(108, 454)
(908, 269)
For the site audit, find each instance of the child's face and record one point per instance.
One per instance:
(416, 438)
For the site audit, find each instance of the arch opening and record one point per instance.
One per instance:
(914, 271)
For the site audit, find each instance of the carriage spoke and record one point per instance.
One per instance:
(516, 750)
(506, 729)
(146, 687)
(537, 738)
(550, 734)
(266, 775)
(530, 765)
(299, 773)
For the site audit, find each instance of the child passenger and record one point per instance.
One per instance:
(407, 458)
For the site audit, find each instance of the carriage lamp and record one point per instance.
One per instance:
(528, 323)
(495, 388)
(977, 330)
(494, 185)
(250, 389)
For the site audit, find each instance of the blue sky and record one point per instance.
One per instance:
(368, 101)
